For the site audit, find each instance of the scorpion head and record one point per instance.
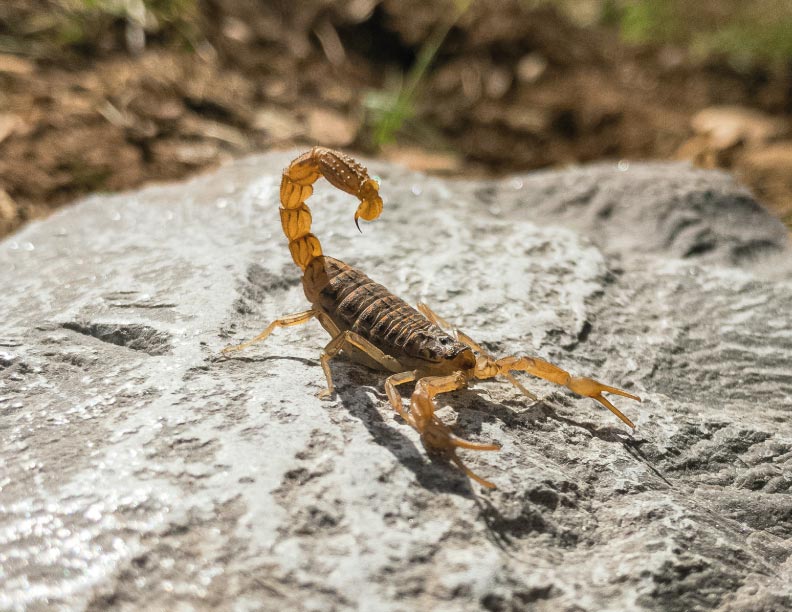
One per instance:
(442, 349)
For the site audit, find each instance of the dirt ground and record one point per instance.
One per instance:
(509, 89)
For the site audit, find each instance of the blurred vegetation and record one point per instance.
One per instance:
(110, 101)
(51, 28)
(390, 110)
(746, 32)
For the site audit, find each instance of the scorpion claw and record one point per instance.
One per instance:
(439, 439)
(602, 400)
(470, 473)
(461, 443)
(588, 387)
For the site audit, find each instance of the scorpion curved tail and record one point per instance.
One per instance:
(342, 172)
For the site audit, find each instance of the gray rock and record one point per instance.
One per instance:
(143, 471)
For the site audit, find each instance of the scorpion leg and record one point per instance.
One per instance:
(586, 387)
(346, 340)
(443, 324)
(287, 321)
(468, 341)
(436, 435)
(435, 318)
(393, 396)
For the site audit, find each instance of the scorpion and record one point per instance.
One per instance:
(377, 329)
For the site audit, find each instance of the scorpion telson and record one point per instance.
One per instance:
(377, 329)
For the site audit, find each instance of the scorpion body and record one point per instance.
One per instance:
(380, 330)
(354, 302)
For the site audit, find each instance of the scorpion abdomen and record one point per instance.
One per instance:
(355, 302)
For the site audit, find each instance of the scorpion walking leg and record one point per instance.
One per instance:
(348, 340)
(393, 395)
(443, 324)
(435, 434)
(468, 341)
(586, 387)
(287, 321)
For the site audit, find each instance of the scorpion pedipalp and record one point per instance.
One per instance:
(470, 473)
(587, 387)
(439, 439)
(435, 435)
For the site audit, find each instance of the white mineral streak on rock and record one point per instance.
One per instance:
(141, 471)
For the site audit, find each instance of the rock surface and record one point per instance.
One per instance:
(143, 471)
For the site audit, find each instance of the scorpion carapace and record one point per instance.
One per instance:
(378, 329)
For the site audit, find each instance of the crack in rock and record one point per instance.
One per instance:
(133, 336)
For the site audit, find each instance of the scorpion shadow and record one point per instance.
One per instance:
(473, 408)
(514, 414)
(352, 388)
(438, 475)
(264, 358)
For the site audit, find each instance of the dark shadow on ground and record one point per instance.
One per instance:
(354, 385)
(473, 415)
(262, 359)
(361, 392)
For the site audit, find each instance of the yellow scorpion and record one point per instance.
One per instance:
(380, 330)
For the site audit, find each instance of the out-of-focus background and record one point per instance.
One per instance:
(102, 95)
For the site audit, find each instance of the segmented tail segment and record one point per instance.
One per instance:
(342, 172)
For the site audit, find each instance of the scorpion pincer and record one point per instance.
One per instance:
(379, 330)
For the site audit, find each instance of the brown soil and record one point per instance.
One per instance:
(510, 89)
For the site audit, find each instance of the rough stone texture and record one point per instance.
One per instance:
(142, 471)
